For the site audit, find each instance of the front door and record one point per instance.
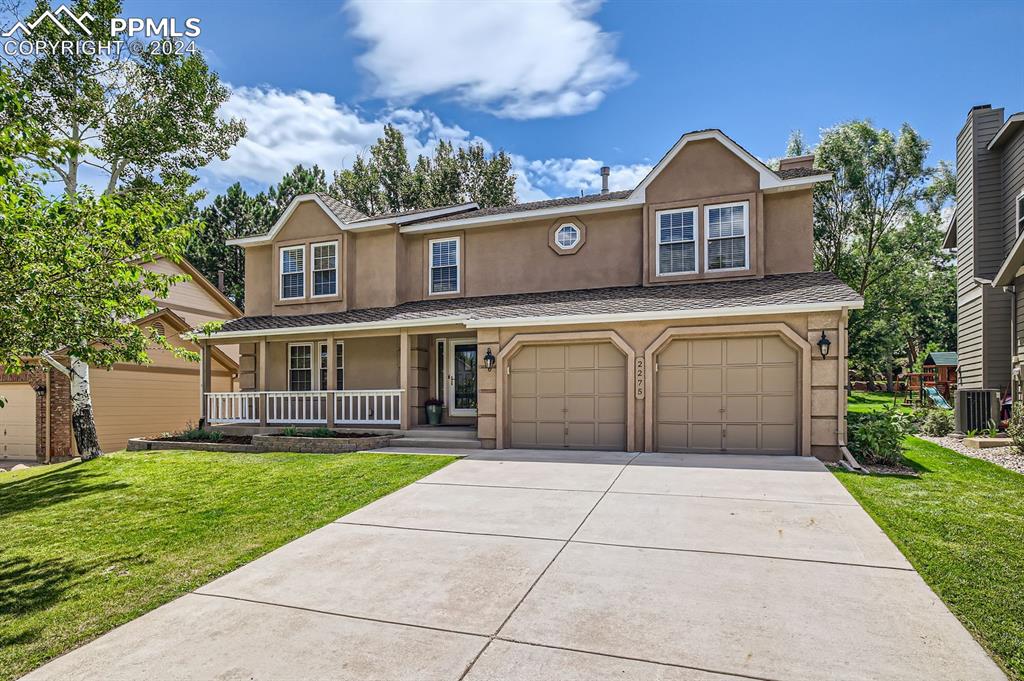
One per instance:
(462, 377)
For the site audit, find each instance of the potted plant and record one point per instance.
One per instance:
(434, 407)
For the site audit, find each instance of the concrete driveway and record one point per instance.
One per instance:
(532, 565)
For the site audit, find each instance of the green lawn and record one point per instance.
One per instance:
(861, 402)
(88, 546)
(961, 524)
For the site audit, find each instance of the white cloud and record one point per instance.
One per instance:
(516, 60)
(288, 128)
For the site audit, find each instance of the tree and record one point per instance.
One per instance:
(144, 122)
(796, 145)
(300, 180)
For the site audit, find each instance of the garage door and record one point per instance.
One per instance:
(735, 395)
(18, 422)
(568, 396)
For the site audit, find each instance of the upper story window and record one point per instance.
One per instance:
(325, 269)
(677, 241)
(300, 366)
(726, 245)
(293, 269)
(1020, 213)
(567, 236)
(444, 265)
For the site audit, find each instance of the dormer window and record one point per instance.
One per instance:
(726, 244)
(444, 266)
(567, 236)
(293, 271)
(325, 269)
(677, 241)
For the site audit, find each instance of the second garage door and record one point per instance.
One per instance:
(18, 422)
(570, 396)
(736, 395)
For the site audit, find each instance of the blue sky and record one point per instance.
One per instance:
(566, 87)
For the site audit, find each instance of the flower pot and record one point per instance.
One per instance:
(434, 414)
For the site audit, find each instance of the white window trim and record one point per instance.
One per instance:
(1020, 214)
(746, 236)
(458, 266)
(576, 241)
(281, 272)
(314, 369)
(312, 265)
(658, 242)
(339, 344)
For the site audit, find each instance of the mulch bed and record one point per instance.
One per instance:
(1000, 456)
(889, 469)
(334, 433)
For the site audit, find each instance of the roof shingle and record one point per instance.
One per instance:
(345, 212)
(793, 173)
(779, 289)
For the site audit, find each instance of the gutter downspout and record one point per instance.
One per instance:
(847, 461)
(1012, 290)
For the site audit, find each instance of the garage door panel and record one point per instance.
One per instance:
(779, 378)
(741, 351)
(551, 383)
(727, 395)
(580, 383)
(706, 436)
(677, 353)
(775, 350)
(523, 384)
(706, 381)
(741, 409)
(704, 408)
(550, 357)
(673, 380)
(778, 438)
(610, 357)
(741, 379)
(572, 395)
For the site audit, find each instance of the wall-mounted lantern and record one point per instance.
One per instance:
(40, 390)
(823, 345)
(489, 360)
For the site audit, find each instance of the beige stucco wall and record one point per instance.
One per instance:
(374, 271)
(788, 232)
(702, 168)
(371, 363)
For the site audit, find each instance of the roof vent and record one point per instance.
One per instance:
(605, 172)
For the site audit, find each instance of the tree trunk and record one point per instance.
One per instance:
(82, 422)
(888, 379)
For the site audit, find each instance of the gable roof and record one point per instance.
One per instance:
(804, 291)
(945, 359)
(1007, 131)
(207, 286)
(184, 331)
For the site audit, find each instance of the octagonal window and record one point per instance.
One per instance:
(567, 236)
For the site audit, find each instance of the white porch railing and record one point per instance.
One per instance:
(362, 407)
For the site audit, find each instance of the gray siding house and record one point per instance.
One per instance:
(986, 230)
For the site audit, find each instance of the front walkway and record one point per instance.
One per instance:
(534, 565)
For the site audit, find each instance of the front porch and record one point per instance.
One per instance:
(378, 381)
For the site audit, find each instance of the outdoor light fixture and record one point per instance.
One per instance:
(40, 389)
(489, 360)
(823, 345)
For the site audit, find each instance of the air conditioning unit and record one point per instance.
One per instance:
(975, 408)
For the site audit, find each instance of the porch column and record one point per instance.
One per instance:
(262, 378)
(204, 380)
(332, 379)
(403, 374)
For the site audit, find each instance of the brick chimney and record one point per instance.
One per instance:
(806, 161)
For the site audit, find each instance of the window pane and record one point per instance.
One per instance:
(323, 366)
(444, 279)
(567, 236)
(339, 362)
(300, 367)
(291, 285)
(291, 260)
(443, 253)
(678, 257)
(325, 283)
(325, 270)
(323, 257)
(673, 227)
(725, 221)
(727, 253)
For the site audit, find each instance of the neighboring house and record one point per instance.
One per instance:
(986, 230)
(681, 315)
(128, 400)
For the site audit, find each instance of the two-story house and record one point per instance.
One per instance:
(987, 231)
(681, 315)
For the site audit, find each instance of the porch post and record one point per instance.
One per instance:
(262, 375)
(332, 379)
(204, 380)
(403, 373)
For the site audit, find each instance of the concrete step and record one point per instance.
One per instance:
(442, 432)
(434, 443)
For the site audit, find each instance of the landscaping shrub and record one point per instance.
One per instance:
(877, 437)
(938, 422)
(193, 434)
(1015, 428)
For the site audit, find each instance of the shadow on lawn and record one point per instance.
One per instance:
(28, 586)
(54, 487)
